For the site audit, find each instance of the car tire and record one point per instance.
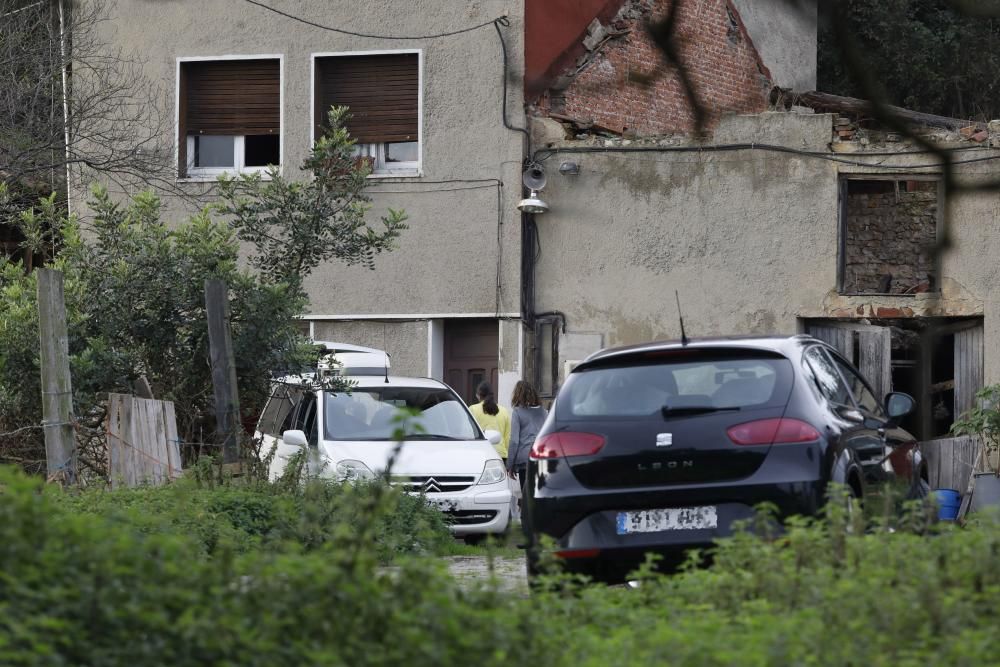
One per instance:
(919, 490)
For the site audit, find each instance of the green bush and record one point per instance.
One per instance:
(79, 585)
(241, 517)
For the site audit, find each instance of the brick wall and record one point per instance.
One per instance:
(890, 233)
(626, 85)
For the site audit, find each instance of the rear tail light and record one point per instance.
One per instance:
(578, 553)
(566, 443)
(772, 432)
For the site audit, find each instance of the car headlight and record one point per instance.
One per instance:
(493, 472)
(352, 471)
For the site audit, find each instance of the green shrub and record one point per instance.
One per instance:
(262, 516)
(79, 588)
(80, 585)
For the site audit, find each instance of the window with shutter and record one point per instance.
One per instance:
(382, 92)
(229, 116)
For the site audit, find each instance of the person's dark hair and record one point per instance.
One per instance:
(525, 395)
(485, 394)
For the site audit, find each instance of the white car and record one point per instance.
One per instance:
(349, 436)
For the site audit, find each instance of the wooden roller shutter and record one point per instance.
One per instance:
(232, 97)
(382, 92)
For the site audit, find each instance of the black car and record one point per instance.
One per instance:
(661, 447)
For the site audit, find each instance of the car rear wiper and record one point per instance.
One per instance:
(682, 410)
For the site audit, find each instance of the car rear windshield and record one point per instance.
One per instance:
(368, 414)
(710, 381)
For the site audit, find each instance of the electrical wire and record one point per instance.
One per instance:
(417, 192)
(371, 36)
(439, 182)
(544, 154)
(499, 295)
(503, 21)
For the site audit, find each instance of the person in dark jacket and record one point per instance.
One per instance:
(526, 421)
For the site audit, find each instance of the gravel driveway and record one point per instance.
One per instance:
(509, 571)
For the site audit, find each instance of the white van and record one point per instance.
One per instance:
(349, 435)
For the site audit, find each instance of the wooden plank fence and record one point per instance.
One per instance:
(142, 441)
(950, 461)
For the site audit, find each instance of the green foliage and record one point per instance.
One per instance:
(246, 516)
(135, 288)
(928, 54)
(983, 420)
(82, 585)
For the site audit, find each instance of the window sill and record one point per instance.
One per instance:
(883, 295)
(409, 173)
(212, 178)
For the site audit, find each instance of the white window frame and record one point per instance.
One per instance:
(380, 169)
(239, 155)
(196, 174)
(383, 168)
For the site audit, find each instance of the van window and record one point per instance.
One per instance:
(280, 409)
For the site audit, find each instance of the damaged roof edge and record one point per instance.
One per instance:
(563, 69)
(852, 105)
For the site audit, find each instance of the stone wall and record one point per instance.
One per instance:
(888, 232)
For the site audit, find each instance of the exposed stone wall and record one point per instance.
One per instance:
(624, 84)
(889, 233)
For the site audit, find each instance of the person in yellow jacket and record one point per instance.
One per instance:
(492, 417)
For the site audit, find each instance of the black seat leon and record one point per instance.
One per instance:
(661, 447)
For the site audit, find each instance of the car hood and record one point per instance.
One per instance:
(422, 457)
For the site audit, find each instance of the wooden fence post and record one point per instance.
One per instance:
(227, 402)
(57, 390)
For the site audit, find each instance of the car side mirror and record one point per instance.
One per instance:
(493, 436)
(295, 438)
(898, 405)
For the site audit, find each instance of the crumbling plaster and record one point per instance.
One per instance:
(749, 238)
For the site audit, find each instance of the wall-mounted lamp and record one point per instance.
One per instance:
(569, 168)
(534, 179)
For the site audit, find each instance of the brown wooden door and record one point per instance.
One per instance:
(471, 349)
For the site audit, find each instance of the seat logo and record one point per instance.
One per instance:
(664, 439)
(431, 486)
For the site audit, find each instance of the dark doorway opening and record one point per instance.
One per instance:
(938, 361)
(471, 355)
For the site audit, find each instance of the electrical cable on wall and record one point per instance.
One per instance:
(544, 154)
(503, 109)
(371, 36)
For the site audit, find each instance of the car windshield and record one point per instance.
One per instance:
(367, 414)
(685, 386)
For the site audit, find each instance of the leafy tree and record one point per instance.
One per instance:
(135, 299)
(930, 55)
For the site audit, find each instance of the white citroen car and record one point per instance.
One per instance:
(349, 436)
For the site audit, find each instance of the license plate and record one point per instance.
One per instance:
(442, 504)
(676, 518)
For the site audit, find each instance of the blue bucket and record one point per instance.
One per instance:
(949, 501)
